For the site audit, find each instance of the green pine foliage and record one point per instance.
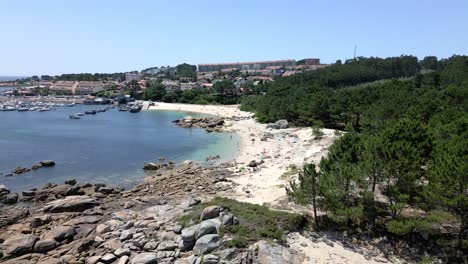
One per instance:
(401, 166)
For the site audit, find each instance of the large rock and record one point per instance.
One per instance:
(4, 189)
(167, 246)
(10, 198)
(145, 258)
(36, 166)
(272, 253)
(188, 236)
(47, 163)
(206, 244)
(122, 252)
(45, 244)
(210, 212)
(280, 124)
(87, 219)
(108, 258)
(19, 244)
(151, 166)
(252, 164)
(208, 227)
(39, 220)
(63, 232)
(20, 170)
(209, 259)
(75, 203)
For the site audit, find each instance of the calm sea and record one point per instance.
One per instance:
(108, 147)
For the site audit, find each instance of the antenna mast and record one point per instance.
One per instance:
(355, 51)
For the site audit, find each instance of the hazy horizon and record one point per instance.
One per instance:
(54, 37)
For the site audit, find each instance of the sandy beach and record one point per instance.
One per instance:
(288, 148)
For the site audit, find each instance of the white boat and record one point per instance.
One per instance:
(80, 114)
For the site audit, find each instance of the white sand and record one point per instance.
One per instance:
(293, 146)
(265, 185)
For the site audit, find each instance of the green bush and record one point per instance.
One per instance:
(256, 222)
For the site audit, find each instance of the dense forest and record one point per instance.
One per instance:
(91, 77)
(400, 165)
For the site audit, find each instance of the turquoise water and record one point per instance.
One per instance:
(108, 147)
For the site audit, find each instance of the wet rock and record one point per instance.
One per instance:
(210, 212)
(36, 166)
(20, 170)
(151, 166)
(145, 258)
(106, 190)
(61, 233)
(19, 244)
(73, 190)
(70, 182)
(206, 244)
(48, 163)
(212, 157)
(4, 189)
(28, 193)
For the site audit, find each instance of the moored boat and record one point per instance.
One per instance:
(136, 108)
(74, 117)
(92, 112)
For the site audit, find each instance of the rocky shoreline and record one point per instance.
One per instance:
(95, 223)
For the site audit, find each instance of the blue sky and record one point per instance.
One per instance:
(65, 36)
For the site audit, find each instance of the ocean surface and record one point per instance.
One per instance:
(109, 147)
(9, 78)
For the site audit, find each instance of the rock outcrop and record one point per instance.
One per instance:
(210, 124)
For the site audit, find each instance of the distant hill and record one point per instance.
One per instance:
(10, 78)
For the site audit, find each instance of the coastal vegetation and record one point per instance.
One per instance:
(256, 222)
(400, 168)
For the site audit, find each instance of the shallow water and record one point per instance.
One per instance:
(108, 147)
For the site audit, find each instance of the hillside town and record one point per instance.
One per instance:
(242, 76)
